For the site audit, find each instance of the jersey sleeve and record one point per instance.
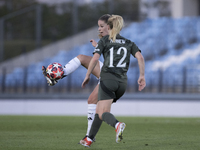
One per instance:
(134, 49)
(99, 48)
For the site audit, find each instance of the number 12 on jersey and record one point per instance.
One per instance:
(120, 63)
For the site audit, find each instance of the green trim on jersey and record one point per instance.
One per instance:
(116, 56)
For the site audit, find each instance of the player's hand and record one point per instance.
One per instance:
(94, 43)
(86, 81)
(141, 83)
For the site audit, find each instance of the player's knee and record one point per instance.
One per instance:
(80, 57)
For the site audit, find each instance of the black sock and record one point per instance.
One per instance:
(95, 126)
(109, 119)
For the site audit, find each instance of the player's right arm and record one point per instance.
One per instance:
(141, 64)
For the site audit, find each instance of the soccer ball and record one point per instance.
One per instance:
(55, 71)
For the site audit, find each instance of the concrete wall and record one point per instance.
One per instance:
(124, 107)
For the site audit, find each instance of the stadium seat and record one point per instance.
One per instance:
(159, 40)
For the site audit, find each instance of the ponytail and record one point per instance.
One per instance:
(116, 23)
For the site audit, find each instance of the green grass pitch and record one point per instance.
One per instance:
(64, 132)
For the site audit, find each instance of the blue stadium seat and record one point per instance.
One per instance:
(157, 38)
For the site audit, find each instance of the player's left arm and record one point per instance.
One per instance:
(91, 66)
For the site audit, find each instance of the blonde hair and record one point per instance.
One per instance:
(116, 24)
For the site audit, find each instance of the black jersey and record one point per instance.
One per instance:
(116, 56)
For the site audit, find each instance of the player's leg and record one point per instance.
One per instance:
(103, 109)
(92, 101)
(117, 89)
(110, 119)
(93, 98)
(104, 105)
(109, 91)
(71, 66)
(103, 113)
(83, 60)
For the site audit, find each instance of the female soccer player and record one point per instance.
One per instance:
(113, 79)
(84, 60)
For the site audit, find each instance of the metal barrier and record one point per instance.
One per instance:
(187, 82)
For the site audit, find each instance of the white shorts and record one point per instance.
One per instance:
(101, 65)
